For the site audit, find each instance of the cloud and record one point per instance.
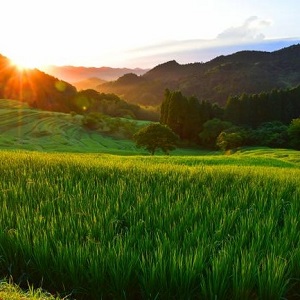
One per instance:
(250, 30)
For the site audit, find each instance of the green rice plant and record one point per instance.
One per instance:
(244, 274)
(96, 226)
(272, 277)
(216, 280)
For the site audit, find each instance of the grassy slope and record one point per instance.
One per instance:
(24, 128)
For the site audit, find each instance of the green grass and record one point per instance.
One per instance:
(123, 227)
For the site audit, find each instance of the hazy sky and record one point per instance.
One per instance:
(137, 33)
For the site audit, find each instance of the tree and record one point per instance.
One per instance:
(186, 115)
(229, 140)
(211, 130)
(156, 136)
(177, 113)
(294, 133)
(164, 108)
(272, 134)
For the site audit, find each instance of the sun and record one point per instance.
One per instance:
(25, 63)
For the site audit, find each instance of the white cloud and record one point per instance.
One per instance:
(249, 30)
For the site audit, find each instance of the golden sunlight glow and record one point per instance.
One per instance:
(23, 63)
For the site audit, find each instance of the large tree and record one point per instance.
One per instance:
(177, 113)
(156, 136)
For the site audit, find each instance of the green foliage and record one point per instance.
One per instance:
(112, 227)
(272, 134)
(256, 109)
(294, 133)
(177, 112)
(267, 112)
(229, 140)
(211, 130)
(116, 127)
(186, 116)
(92, 120)
(156, 136)
(91, 101)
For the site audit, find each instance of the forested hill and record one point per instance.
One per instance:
(34, 87)
(243, 72)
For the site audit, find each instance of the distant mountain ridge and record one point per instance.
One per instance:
(89, 83)
(241, 72)
(74, 74)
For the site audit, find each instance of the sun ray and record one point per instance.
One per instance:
(24, 63)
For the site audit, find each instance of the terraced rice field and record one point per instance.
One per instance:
(25, 128)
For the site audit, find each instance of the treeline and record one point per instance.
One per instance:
(266, 119)
(253, 110)
(186, 115)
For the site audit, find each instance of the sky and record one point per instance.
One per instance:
(139, 33)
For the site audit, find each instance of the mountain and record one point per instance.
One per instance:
(34, 87)
(241, 72)
(89, 83)
(74, 74)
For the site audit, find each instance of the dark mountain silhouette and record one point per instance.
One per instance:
(38, 89)
(74, 74)
(241, 72)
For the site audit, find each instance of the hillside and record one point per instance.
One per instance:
(73, 74)
(22, 127)
(245, 71)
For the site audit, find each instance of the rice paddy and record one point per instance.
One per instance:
(99, 226)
